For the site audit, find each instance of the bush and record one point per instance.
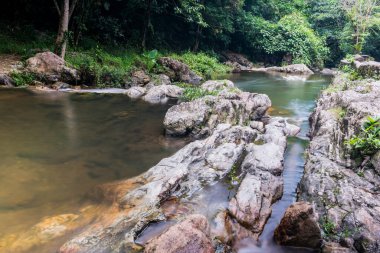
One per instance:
(21, 79)
(367, 142)
(204, 65)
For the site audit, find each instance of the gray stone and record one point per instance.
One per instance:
(301, 69)
(136, 92)
(178, 71)
(214, 85)
(161, 94)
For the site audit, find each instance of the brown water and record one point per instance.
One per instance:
(55, 147)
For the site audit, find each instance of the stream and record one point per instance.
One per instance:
(56, 147)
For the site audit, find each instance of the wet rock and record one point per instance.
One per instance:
(258, 125)
(188, 236)
(299, 227)
(199, 117)
(214, 85)
(136, 92)
(161, 94)
(179, 71)
(331, 181)
(300, 69)
(139, 78)
(6, 80)
(51, 68)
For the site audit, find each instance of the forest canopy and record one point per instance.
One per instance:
(314, 32)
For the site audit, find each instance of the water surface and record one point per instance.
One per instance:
(55, 147)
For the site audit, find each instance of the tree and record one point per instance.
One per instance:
(362, 14)
(65, 12)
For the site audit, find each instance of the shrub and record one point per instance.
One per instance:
(367, 142)
(203, 64)
(21, 79)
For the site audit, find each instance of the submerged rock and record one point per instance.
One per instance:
(299, 227)
(51, 68)
(188, 236)
(179, 71)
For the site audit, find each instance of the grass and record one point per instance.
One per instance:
(191, 93)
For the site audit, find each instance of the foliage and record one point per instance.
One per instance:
(367, 142)
(21, 79)
(151, 59)
(203, 64)
(191, 93)
(328, 227)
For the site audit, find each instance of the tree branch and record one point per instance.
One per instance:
(57, 7)
(72, 7)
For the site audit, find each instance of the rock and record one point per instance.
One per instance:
(136, 92)
(199, 117)
(139, 78)
(161, 94)
(180, 71)
(238, 62)
(265, 157)
(328, 72)
(188, 236)
(252, 204)
(331, 182)
(6, 80)
(299, 227)
(214, 85)
(368, 69)
(376, 162)
(51, 68)
(300, 69)
(60, 85)
(258, 125)
(334, 248)
(136, 202)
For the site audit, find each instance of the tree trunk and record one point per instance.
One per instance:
(197, 38)
(147, 23)
(61, 41)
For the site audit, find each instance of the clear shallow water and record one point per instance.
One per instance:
(55, 147)
(293, 100)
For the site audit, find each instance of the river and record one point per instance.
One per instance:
(55, 147)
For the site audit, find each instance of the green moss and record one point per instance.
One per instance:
(191, 93)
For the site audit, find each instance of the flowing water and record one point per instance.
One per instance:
(294, 100)
(55, 147)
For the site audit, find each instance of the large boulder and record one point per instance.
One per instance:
(51, 68)
(188, 236)
(179, 71)
(199, 117)
(299, 227)
(136, 92)
(300, 69)
(215, 85)
(368, 69)
(6, 80)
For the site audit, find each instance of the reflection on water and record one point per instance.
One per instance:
(54, 147)
(294, 100)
